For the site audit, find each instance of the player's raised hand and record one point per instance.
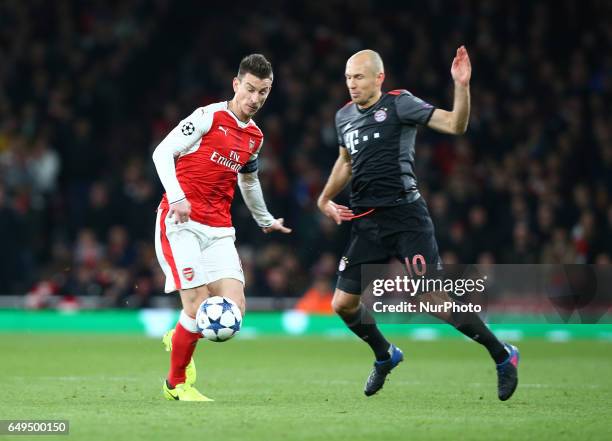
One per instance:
(180, 211)
(277, 225)
(337, 212)
(461, 69)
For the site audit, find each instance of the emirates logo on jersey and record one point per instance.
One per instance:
(232, 163)
(188, 274)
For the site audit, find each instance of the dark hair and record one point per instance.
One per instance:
(255, 64)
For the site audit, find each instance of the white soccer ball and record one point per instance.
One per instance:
(218, 318)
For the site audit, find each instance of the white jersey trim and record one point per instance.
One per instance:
(184, 138)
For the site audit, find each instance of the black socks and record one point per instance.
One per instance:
(368, 332)
(362, 324)
(471, 325)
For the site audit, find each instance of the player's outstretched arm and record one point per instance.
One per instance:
(456, 122)
(339, 177)
(250, 188)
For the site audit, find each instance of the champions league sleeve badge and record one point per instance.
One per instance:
(187, 128)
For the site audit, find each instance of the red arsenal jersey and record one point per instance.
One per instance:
(210, 146)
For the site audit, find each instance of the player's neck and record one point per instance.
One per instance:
(371, 101)
(232, 107)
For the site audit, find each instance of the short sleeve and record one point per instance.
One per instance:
(338, 132)
(411, 109)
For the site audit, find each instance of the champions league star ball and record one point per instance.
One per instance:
(218, 318)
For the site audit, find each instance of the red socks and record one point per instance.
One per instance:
(183, 345)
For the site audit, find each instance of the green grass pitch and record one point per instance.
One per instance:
(109, 387)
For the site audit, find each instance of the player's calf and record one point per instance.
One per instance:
(361, 323)
(190, 370)
(183, 343)
(232, 289)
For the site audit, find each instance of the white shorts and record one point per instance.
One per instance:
(192, 254)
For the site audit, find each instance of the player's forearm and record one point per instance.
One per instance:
(163, 159)
(250, 188)
(338, 179)
(461, 108)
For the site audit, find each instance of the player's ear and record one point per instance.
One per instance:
(380, 78)
(235, 84)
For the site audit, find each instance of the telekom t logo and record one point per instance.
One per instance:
(351, 139)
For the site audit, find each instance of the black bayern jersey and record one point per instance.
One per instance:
(380, 141)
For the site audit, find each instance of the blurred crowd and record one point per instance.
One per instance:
(88, 89)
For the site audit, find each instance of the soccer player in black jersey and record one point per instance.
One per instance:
(376, 134)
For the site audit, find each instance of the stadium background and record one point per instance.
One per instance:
(87, 90)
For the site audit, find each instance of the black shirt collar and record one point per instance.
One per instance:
(367, 109)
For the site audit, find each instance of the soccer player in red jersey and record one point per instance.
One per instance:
(199, 163)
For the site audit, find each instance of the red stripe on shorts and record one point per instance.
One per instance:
(165, 244)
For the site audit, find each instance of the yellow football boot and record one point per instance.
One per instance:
(190, 370)
(183, 392)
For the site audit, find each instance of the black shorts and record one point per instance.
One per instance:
(405, 232)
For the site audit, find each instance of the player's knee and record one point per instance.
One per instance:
(342, 307)
(446, 317)
(190, 309)
(237, 297)
(439, 298)
(192, 298)
(336, 305)
(241, 302)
